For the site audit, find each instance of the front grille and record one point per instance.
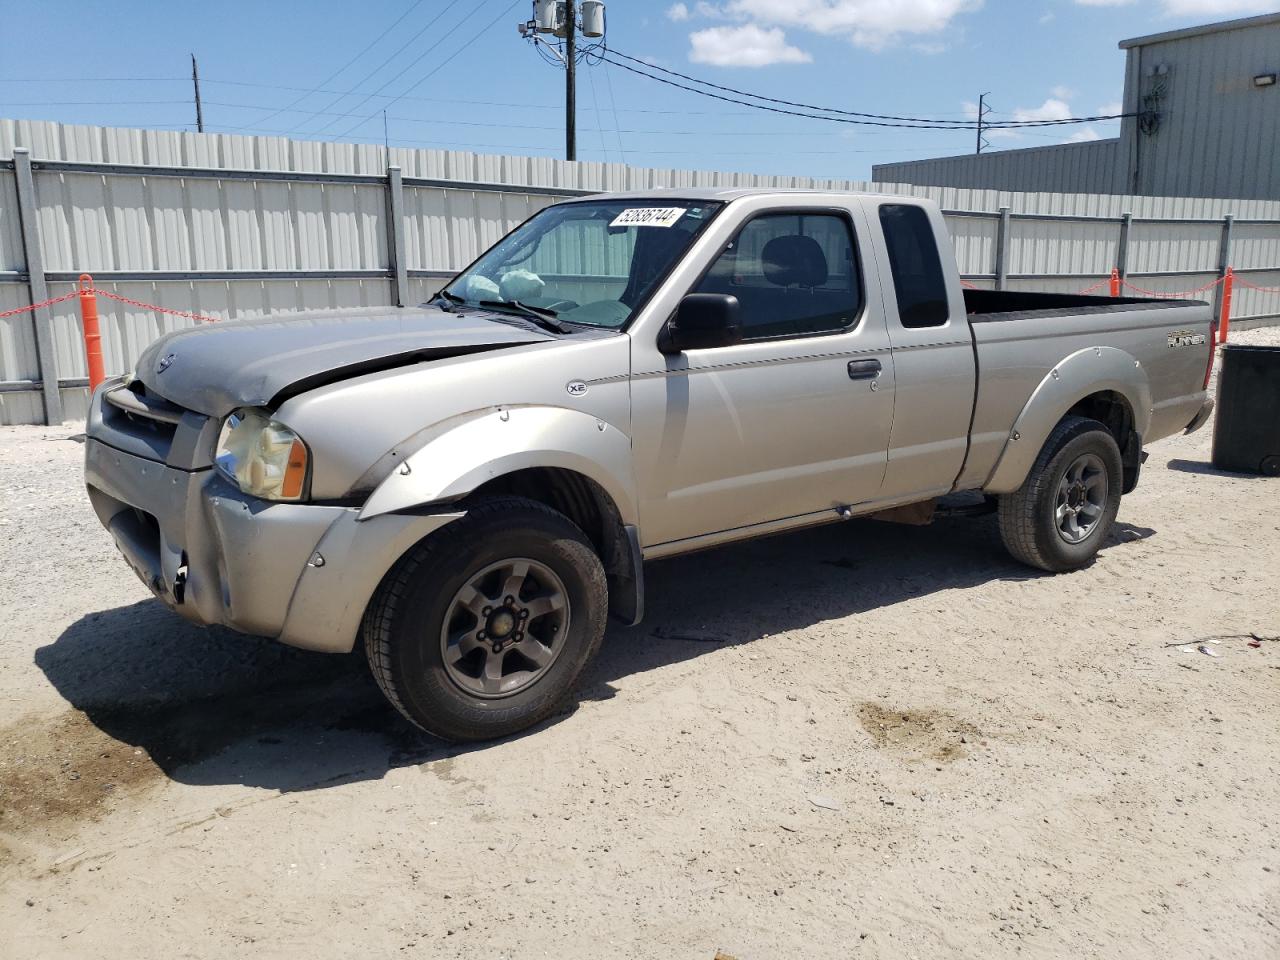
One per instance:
(135, 401)
(149, 419)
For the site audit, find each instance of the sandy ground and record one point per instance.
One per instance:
(860, 741)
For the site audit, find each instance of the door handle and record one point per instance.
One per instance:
(864, 369)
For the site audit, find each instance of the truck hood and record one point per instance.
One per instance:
(214, 368)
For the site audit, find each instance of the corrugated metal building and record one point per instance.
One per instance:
(1207, 124)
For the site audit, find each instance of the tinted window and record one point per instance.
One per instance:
(793, 274)
(914, 263)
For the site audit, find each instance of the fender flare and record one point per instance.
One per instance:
(1083, 373)
(503, 440)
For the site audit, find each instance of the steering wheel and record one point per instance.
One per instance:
(561, 305)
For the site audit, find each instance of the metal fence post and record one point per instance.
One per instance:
(1002, 250)
(395, 237)
(41, 318)
(1224, 261)
(1122, 246)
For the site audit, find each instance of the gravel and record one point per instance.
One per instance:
(901, 744)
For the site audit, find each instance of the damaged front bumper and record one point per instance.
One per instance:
(302, 573)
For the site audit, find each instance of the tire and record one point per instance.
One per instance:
(417, 657)
(1031, 526)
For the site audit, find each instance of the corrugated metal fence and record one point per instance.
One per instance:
(229, 225)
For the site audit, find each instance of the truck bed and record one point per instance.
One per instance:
(989, 305)
(1019, 337)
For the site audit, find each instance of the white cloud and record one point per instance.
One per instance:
(1193, 8)
(1215, 8)
(744, 46)
(1111, 109)
(867, 23)
(1052, 109)
(1062, 93)
(677, 12)
(1084, 135)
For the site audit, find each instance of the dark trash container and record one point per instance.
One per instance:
(1246, 431)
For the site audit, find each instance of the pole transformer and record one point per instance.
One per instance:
(559, 19)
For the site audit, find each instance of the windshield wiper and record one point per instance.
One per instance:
(542, 316)
(449, 297)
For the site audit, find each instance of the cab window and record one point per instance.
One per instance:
(794, 274)
(918, 283)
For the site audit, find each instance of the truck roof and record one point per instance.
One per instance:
(726, 194)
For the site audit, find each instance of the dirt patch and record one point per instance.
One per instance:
(918, 734)
(64, 770)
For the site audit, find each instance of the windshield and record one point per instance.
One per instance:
(591, 263)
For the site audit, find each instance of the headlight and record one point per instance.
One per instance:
(264, 458)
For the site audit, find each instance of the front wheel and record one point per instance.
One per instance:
(483, 628)
(1064, 510)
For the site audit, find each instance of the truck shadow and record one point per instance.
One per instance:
(209, 706)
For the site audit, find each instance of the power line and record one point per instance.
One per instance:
(595, 104)
(437, 121)
(368, 76)
(345, 93)
(333, 76)
(413, 63)
(791, 113)
(864, 119)
(523, 105)
(438, 67)
(451, 144)
(92, 103)
(756, 96)
(613, 104)
(94, 79)
(960, 124)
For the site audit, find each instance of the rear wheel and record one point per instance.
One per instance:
(484, 628)
(1064, 510)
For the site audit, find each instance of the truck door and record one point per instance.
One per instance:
(933, 357)
(795, 419)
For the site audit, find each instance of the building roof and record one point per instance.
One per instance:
(1243, 23)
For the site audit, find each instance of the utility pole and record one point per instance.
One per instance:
(195, 82)
(570, 94)
(559, 18)
(982, 116)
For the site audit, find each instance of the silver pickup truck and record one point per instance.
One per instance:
(471, 487)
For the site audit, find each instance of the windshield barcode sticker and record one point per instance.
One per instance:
(648, 217)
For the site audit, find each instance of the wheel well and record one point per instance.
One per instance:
(590, 507)
(1112, 410)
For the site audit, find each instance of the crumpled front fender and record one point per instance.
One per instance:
(501, 441)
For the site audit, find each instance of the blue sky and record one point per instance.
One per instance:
(457, 75)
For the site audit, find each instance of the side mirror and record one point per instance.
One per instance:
(703, 320)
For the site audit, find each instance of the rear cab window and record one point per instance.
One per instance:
(918, 281)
